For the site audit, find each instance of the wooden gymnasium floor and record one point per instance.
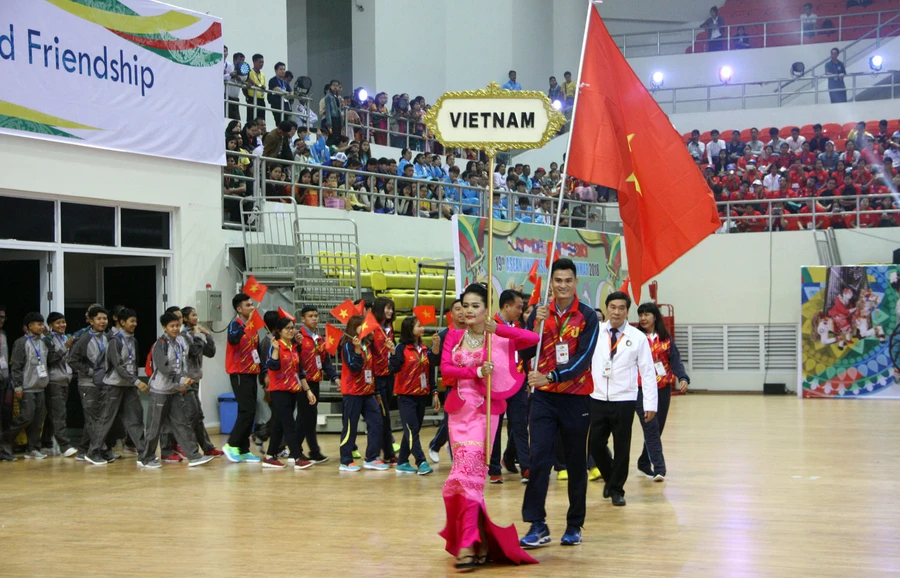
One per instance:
(758, 486)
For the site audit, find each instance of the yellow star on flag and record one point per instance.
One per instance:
(343, 314)
(633, 178)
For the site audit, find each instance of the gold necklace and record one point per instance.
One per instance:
(473, 341)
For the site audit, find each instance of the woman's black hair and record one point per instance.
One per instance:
(406, 330)
(658, 326)
(476, 289)
(352, 325)
(279, 326)
(378, 307)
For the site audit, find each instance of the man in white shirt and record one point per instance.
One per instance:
(714, 146)
(775, 141)
(622, 354)
(795, 142)
(232, 75)
(694, 146)
(755, 145)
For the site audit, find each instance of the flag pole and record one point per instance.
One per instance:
(491, 153)
(562, 183)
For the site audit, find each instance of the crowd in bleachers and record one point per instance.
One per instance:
(817, 177)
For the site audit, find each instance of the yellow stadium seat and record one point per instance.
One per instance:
(403, 264)
(378, 281)
(388, 264)
(373, 262)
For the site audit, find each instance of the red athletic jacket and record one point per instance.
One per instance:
(411, 369)
(357, 376)
(380, 352)
(285, 372)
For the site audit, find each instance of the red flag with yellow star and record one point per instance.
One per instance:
(369, 325)
(255, 289)
(344, 311)
(623, 140)
(255, 324)
(426, 314)
(332, 338)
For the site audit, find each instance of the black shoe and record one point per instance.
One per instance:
(618, 499)
(646, 470)
(7, 457)
(605, 490)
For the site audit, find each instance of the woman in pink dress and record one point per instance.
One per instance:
(470, 534)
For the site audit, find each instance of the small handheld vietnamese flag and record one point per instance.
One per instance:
(369, 325)
(332, 338)
(285, 315)
(536, 293)
(547, 260)
(533, 272)
(448, 317)
(361, 307)
(426, 314)
(255, 289)
(256, 323)
(624, 287)
(344, 311)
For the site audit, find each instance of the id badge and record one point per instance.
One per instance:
(368, 376)
(607, 368)
(562, 353)
(318, 362)
(129, 367)
(255, 355)
(42, 371)
(660, 369)
(3, 364)
(423, 381)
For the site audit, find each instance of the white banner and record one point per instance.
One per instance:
(129, 75)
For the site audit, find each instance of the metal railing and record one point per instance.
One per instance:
(765, 34)
(755, 94)
(785, 215)
(298, 106)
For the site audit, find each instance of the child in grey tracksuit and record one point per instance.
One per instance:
(122, 398)
(58, 389)
(30, 375)
(168, 386)
(199, 346)
(88, 358)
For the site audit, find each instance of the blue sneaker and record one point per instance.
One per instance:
(406, 469)
(232, 453)
(538, 535)
(424, 469)
(572, 537)
(377, 465)
(250, 458)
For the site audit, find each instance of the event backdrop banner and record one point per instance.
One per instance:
(597, 256)
(850, 344)
(127, 75)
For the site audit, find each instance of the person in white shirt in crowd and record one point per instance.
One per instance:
(694, 146)
(755, 145)
(808, 20)
(714, 146)
(775, 141)
(772, 181)
(795, 141)
(232, 75)
(622, 353)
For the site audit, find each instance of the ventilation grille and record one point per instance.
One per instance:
(707, 348)
(781, 347)
(738, 347)
(743, 345)
(682, 340)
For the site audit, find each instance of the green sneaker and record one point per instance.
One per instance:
(232, 453)
(406, 469)
(424, 469)
(251, 458)
(356, 454)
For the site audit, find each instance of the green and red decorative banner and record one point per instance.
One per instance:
(128, 75)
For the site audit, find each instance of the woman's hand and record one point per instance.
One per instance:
(311, 397)
(486, 369)
(436, 344)
(357, 344)
(490, 325)
(435, 402)
(683, 386)
(392, 347)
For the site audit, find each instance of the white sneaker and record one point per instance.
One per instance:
(35, 455)
(70, 452)
(285, 454)
(434, 456)
(152, 464)
(50, 451)
(200, 461)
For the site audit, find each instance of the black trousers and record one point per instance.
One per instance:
(384, 386)
(353, 407)
(308, 420)
(442, 435)
(233, 110)
(653, 450)
(244, 387)
(123, 403)
(616, 418)
(571, 416)
(259, 111)
(283, 404)
(837, 92)
(412, 413)
(517, 432)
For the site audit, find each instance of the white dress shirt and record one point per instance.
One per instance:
(633, 358)
(712, 150)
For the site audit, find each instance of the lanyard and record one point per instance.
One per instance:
(60, 338)
(421, 354)
(100, 345)
(129, 348)
(175, 351)
(563, 321)
(37, 350)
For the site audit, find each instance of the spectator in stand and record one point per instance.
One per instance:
(277, 143)
(399, 121)
(795, 141)
(893, 153)
(333, 120)
(775, 140)
(379, 115)
(829, 158)
(500, 176)
(714, 26)
(835, 71)
(555, 91)
(417, 125)
(817, 143)
(883, 137)
(420, 167)
(850, 155)
(785, 158)
(233, 77)
(735, 148)
(569, 89)
(511, 84)
(859, 136)
(714, 146)
(696, 148)
(808, 20)
(888, 218)
(807, 157)
(740, 40)
(772, 178)
(278, 86)
(755, 145)
(255, 93)
(721, 162)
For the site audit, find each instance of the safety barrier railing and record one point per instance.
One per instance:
(765, 34)
(298, 107)
(786, 215)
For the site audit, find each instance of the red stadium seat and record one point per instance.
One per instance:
(807, 132)
(705, 136)
(832, 130)
(872, 126)
(686, 137)
(846, 128)
(893, 125)
(745, 135)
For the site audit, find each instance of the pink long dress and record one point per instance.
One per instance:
(464, 489)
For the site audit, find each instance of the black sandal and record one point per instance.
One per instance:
(472, 562)
(481, 560)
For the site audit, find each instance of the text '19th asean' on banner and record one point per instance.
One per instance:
(135, 76)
